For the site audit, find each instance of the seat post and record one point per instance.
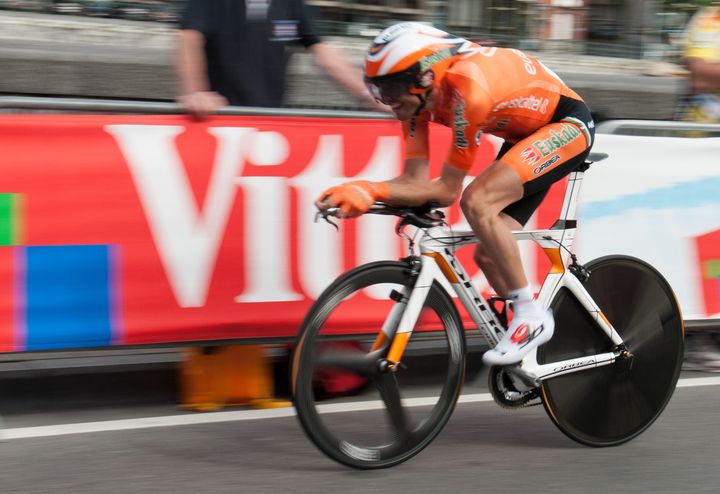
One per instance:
(572, 194)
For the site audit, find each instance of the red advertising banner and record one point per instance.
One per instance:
(151, 229)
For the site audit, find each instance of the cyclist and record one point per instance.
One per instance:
(427, 75)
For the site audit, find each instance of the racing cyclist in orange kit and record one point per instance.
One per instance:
(427, 75)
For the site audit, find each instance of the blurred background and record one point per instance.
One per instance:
(593, 39)
(627, 28)
(624, 57)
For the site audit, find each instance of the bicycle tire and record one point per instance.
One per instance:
(401, 436)
(612, 404)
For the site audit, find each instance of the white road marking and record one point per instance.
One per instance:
(240, 415)
(698, 381)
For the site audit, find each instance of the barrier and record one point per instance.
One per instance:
(670, 178)
(159, 224)
(81, 105)
(210, 376)
(657, 128)
(167, 230)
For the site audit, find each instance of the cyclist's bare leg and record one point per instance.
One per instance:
(482, 202)
(487, 265)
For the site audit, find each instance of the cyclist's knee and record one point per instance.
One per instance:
(474, 204)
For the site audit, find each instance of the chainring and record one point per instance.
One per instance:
(506, 394)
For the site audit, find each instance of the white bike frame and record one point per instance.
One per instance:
(438, 261)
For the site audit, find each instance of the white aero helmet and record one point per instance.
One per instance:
(407, 58)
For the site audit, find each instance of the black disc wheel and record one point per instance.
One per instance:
(609, 405)
(356, 410)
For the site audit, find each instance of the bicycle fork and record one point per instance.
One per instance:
(399, 324)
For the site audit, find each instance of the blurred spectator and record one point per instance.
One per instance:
(235, 51)
(702, 56)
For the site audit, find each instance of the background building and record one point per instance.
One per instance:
(627, 28)
(622, 28)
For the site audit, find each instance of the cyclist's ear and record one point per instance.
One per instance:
(425, 79)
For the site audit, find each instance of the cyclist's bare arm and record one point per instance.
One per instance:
(414, 188)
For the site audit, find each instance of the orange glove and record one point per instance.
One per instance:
(355, 198)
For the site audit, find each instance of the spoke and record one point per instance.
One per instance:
(352, 360)
(390, 392)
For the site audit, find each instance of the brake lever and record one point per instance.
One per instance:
(326, 216)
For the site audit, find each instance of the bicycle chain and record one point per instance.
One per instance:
(505, 404)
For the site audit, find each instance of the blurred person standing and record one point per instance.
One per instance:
(236, 52)
(702, 57)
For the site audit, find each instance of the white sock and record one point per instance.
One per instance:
(524, 302)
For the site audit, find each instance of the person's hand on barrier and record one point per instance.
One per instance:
(353, 198)
(202, 103)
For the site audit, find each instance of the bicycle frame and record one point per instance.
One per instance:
(437, 261)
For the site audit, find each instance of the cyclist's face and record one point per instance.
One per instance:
(397, 97)
(405, 106)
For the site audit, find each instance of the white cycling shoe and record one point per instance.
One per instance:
(524, 334)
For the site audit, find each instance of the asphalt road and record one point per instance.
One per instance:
(482, 449)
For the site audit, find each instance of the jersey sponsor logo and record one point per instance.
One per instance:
(459, 125)
(538, 170)
(434, 58)
(531, 103)
(557, 140)
(530, 155)
(527, 62)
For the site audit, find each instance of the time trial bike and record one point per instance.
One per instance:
(605, 376)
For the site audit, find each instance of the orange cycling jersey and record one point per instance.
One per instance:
(499, 91)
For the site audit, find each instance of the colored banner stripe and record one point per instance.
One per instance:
(8, 301)
(68, 302)
(708, 250)
(10, 219)
(712, 269)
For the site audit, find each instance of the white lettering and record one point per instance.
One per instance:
(267, 241)
(187, 238)
(320, 251)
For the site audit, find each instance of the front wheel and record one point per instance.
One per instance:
(399, 412)
(612, 404)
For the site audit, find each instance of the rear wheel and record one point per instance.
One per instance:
(612, 404)
(398, 413)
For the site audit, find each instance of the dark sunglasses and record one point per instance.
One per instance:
(387, 92)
